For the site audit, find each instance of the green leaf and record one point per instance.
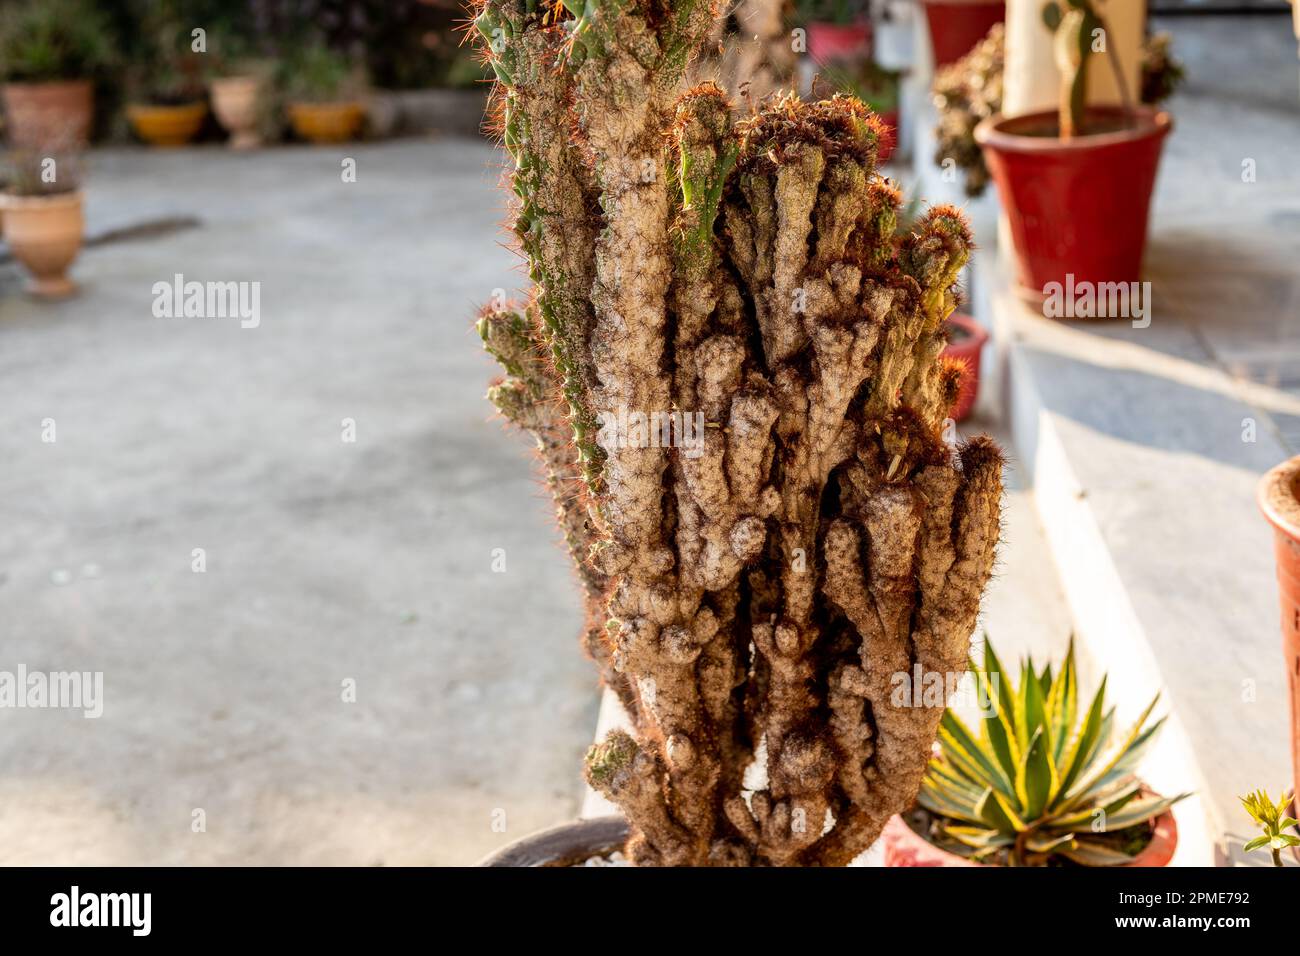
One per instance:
(1062, 706)
(1046, 843)
(968, 757)
(1031, 702)
(1037, 777)
(1139, 811)
(1094, 854)
(1123, 760)
(1076, 756)
(997, 813)
(997, 728)
(1255, 844)
(949, 811)
(1288, 839)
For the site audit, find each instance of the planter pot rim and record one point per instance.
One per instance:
(563, 845)
(13, 201)
(998, 131)
(1277, 497)
(1164, 840)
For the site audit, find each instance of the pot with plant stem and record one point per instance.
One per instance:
(957, 25)
(966, 339)
(1279, 498)
(49, 50)
(1035, 785)
(570, 844)
(324, 92)
(1076, 184)
(167, 106)
(44, 231)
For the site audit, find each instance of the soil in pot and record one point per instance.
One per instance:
(49, 117)
(1078, 209)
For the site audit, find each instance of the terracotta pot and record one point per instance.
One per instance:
(828, 42)
(957, 25)
(905, 847)
(968, 350)
(569, 844)
(237, 100)
(1279, 497)
(1075, 208)
(44, 233)
(49, 117)
(326, 122)
(167, 125)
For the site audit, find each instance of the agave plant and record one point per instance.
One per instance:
(1273, 820)
(1035, 785)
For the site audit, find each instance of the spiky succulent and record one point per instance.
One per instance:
(1034, 785)
(1272, 818)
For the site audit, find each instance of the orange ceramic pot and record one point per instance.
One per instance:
(326, 122)
(236, 101)
(44, 233)
(167, 125)
(49, 117)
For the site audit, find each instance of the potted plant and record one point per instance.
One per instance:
(41, 203)
(970, 91)
(1274, 820)
(1039, 161)
(957, 25)
(1279, 498)
(324, 90)
(238, 84)
(1035, 786)
(838, 30)
(166, 101)
(727, 410)
(49, 53)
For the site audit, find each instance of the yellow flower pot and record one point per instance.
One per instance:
(326, 122)
(167, 125)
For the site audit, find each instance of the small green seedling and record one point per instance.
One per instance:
(1270, 817)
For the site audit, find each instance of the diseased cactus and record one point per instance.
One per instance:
(754, 599)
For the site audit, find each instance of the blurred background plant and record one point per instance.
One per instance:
(43, 41)
(27, 173)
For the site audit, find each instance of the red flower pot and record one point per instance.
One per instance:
(1279, 497)
(1079, 207)
(889, 142)
(905, 847)
(966, 342)
(828, 42)
(957, 25)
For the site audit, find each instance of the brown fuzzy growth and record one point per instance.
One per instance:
(764, 585)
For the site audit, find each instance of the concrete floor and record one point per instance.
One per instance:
(326, 560)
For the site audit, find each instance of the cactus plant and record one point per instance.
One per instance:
(1034, 784)
(753, 600)
(1079, 29)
